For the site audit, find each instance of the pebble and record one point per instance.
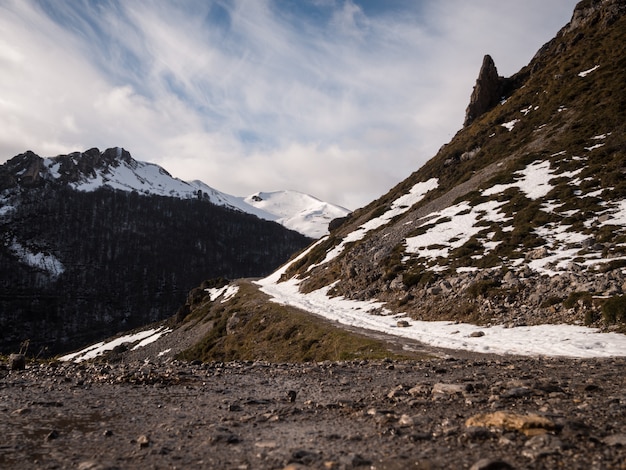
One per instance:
(488, 464)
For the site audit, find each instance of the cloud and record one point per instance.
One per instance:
(339, 99)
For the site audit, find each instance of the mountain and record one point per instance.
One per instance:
(95, 242)
(298, 211)
(511, 239)
(116, 169)
(520, 219)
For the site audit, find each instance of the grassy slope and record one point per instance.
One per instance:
(250, 327)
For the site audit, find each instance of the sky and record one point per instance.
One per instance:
(340, 99)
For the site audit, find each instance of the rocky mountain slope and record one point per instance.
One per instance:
(84, 253)
(521, 218)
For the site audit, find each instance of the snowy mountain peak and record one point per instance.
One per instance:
(115, 168)
(298, 211)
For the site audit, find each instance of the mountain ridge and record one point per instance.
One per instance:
(510, 240)
(115, 168)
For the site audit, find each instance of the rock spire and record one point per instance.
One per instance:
(487, 91)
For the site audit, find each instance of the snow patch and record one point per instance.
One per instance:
(584, 73)
(226, 292)
(142, 339)
(510, 125)
(43, 261)
(398, 207)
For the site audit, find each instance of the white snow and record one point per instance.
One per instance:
(226, 292)
(450, 228)
(457, 227)
(44, 261)
(292, 209)
(297, 211)
(543, 340)
(584, 73)
(593, 147)
(510, 125)
(142, 339)
(535, 181)
(456, 224)
(398, 207)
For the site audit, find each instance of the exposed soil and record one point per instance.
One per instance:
(554, 413)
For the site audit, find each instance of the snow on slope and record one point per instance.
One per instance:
(294, 210)
(541, 340)
(297, 211)
(451, 228)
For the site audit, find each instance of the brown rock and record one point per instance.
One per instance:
(487, 91)
(17, 362)
(528, 424)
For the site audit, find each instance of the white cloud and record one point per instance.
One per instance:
(331, 98)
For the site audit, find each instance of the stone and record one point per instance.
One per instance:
(542, 445)
(224, 436)
(528, 424)
(477, 334)
(517, 392)
(489, 464)
(487, 91)
(17, 362)
(355, 460)
(295, 466)
(406, 421)
(477, 433)
(143, 441)
(92, 465)
(450, 389)
(615, 440)
(304, 457)
(420, 389)
(403, 324)
(397, 391)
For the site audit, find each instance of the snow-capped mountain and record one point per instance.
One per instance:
(79, 261)
(298, 211)
(116, 169)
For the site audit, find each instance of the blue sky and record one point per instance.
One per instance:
(336, 98)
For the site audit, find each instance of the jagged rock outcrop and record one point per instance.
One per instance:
(600, 12)
(487, 91)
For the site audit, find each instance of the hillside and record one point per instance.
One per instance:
(520, 218)
(80, 260)
(511, 239)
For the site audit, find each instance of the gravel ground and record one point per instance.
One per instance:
(478, 412)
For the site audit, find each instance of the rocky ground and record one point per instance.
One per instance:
(463, 411)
